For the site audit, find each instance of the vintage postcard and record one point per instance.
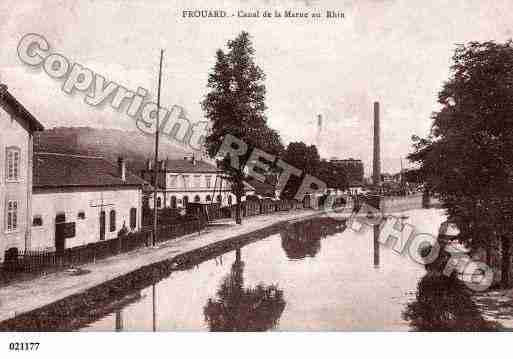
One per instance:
(258, 165)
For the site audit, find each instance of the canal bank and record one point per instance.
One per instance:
(23, 297)
(303, 272)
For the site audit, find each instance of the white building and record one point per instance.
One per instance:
(180, 181)
(16, 142)
(82, 199)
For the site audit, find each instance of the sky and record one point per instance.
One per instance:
(397, 52)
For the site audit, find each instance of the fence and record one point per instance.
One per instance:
(30, 261)
(265, 206)
(170, 231)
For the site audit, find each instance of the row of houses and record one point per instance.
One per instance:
(53, 201)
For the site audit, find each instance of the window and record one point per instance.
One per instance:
(37, 221)
(12, 216)
(133, 218)
(197, 199)
(81, 215)
(229, 200)
(186, 181)
(208, 180)
(185, 200)
(208, 199)
(172, 181)
(219, 198)
(159, 202)
(173, 201)
(112, 219)
(13, 156)
(197, 181)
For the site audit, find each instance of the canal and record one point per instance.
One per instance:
(313, 275)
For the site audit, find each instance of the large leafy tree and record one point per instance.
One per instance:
(307, 159)
(235, 105)
(332, 175)
(303, 157)
(467, 159)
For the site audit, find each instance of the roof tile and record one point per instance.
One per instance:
(63, 170)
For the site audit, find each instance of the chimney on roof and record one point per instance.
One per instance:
(122, 168)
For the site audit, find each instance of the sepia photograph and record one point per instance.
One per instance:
(174, 168)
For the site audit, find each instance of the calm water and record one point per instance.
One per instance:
(310, 276)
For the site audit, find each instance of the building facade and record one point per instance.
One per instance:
(180, 181)
(79, 199)
(16, 144)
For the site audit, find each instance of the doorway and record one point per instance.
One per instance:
(60, 240)
(102, 225)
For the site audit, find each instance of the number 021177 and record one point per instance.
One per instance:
(24, 346)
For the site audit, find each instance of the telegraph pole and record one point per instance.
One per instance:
(155, 166)
(376, 160)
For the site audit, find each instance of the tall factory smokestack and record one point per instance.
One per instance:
(318, 136)
(376, 160)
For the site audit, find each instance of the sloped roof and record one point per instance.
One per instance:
(262, 188)
(248, 187)
(15, 108)
(53, 170)
(187, 166)
(356, 184)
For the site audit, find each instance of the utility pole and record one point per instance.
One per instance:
(376, 160)
(155, 166)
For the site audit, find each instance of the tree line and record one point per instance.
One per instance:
(467, 158)
(235, 105)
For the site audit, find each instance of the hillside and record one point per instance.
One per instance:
(134, 146)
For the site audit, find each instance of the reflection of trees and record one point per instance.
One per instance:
(444, 304)
(303, 239)
(243, 309)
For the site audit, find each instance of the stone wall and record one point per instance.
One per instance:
(401, 203)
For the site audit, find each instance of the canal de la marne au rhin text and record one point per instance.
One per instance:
(329, 14)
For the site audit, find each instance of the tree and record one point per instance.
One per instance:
(466, 159)
(332, 175)
(303, 157)
(235, 105)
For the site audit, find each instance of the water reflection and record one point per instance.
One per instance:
(303, 239)
(236, 308)
(219, 288)
(445, 304)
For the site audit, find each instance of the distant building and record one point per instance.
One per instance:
(16, 143)
(81, 199)
(180, 181)
(353, 168)
(392, 178)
